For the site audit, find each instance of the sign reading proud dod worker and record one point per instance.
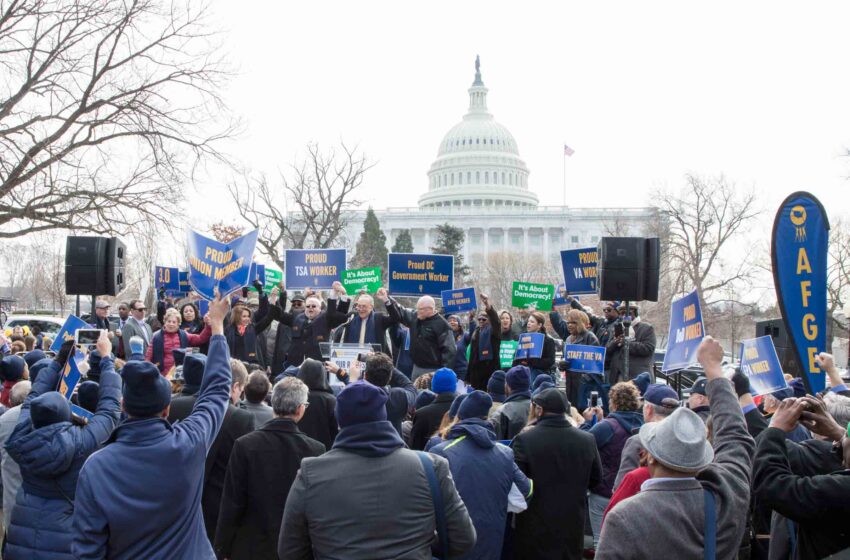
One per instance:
(411, 274)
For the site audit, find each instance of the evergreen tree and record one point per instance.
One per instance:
(450, 241)
(403, 243)
(371, 248)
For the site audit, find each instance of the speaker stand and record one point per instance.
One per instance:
(626, 324)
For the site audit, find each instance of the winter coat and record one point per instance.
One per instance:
(461, 364)
(50, 459)
(368, 498)
(611, 435)
(427, 419)
(319, 420)
(10, 469)
(153, 509)
(510, 418)
(432, 342)
(480, 370)
(262, 466)
(641, 354)
(484, 473)
(381, 322)
(563, 463)
(545, 363)
(681, 502)
(169, 342)
(308, 334)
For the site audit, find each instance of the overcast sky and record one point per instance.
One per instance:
(643, 92)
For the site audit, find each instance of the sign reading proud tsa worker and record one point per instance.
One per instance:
(799, 253)
(760, 363)
(314, 268)
(418, 275)
(225, 266)
(686, 333)
(458, 301)
(586, 359)
(529, 345)
(580, 270)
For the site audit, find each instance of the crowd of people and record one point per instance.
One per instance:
(232, 435)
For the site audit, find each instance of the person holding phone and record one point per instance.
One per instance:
(640, 343)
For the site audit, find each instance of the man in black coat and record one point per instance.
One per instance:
(641, 348)
(427, 419)
(399, 389)
(432, 342)
(367, 326)
(564, 463)
(262, 466)
(237, 423)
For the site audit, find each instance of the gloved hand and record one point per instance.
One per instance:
(244, 292)
(161, 293)
(258, 286)
(741, 382)
(64, 352)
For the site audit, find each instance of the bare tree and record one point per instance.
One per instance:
(700, 221)
(226, 233)
(837, 277)
(310, 209)
(496, 274)
(102, 105)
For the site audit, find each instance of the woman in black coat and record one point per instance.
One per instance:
(190, 318)
(546, 362)
(319, 421)
(484, 354)
(506, 322)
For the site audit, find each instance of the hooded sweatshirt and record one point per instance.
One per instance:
(611, 435)
(319, 421)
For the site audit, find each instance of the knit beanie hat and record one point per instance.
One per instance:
(37, 367)
(444, 381)
(540, 379)
(518, 378)
(49, 408)
(33, 356)
(456, 405)
(424, 398)
(360, 402)
(642, 381)
(477, 404)
(193, 372)
(547, 384)
(496, 386)
(146, 392)
(87, 395)
(12, 368)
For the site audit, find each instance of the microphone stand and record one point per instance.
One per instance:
(627, 322)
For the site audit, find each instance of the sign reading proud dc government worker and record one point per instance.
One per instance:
(580, 270)
(534, 297)
(314, 268)
(586, 359)
(225, 266)
(412, 274)
(760, 364)
(686, 333)
(458, 301)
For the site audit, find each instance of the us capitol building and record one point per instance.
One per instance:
(479, 183)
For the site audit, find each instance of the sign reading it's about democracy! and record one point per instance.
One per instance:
(224, 266)
(507, 350)
(357, 279)
(586, 359)
(529, 345)
(686, 333)
(458, 301)
(760, 363)
(413, 274)
(526, 295)
(580, 270)
(314, 268)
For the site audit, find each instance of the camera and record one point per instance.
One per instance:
(618, 329)
(594, 399)
(86, 337)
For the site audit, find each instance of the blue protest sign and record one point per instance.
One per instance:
(203, 307)
(586, 359)
(167, 277)
(72, 323)
(458, 301)
(580, 270)
(82, 412)
(219, 265)
(183, 286)
(70, 375)
(760, 363)
(798, 254)
(258, 272)
(686, 333)
(313, 268)
(530, 345)
(559, 299)
(419, 274)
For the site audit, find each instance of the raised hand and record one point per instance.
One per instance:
(382, 294)
(217, 312)
(104, 345)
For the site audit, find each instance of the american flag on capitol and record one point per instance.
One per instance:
(568, 151)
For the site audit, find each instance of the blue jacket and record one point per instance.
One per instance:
(140, 496)
(50, 459)
(484, 473)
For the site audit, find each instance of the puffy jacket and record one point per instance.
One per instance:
(611, 435)
(510, 418)
(484, 473)
(50, 459)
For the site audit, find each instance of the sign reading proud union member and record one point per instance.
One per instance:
(413, 274)
(224, 266)
(314, 268)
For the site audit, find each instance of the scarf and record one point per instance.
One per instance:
(485, 345)
(352, 332)
(370, 439)
(6, 393)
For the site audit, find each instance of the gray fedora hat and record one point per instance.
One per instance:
(679, 441)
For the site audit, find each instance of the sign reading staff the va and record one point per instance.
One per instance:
(224, 266)
(314, 268)
(419, 275)
(686, 333)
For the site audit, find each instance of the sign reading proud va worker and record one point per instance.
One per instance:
(526, 295)
(225, 266)
(418, 275)
(314, 268)
(580, 270)
(686, 333)
(760, 364)
(798, 254)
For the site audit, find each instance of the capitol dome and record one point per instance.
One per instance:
(478, 163)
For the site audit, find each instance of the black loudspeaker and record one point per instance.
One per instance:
(94, 265)
(775, 328)
(628, 268)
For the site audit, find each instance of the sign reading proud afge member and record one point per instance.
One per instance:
(419, 275)
(534, 297)
(314, 268)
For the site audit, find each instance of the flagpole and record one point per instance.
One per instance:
(564, 156)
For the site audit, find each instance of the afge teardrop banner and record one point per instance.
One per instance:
(412, 274)
(314, 268)
(580, 270)
(798, 254)
(225, 266)
(686, 333)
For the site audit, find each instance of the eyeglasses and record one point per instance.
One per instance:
(139, 308)
(482, 319)
(311, 306)
(608, 309)
(306, 404)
